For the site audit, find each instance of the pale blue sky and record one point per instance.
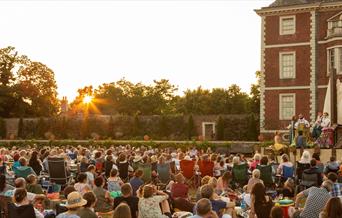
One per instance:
(191, 43)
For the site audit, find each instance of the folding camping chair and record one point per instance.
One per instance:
(163, 171)
(187, 169)
(26, 211)
(308, 180)
(299, 171)
(240, 174)
(266, 174)
(206, 168)
(147, 172)
(57, 171)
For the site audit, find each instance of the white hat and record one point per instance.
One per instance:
(75, 200)
(137, 158)
(187, 157)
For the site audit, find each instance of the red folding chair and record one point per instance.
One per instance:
(187, 169)
(206, 168)
(99, 166)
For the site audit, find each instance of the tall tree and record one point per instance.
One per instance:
(38, 88)
(10, 62)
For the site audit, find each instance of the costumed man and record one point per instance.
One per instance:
(316, 132)
(292, 129)
(303, 125)
(302, 122)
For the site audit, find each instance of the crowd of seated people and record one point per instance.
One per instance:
(144, 182)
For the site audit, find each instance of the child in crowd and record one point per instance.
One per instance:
(104, 201)
(33, 186)
(136, 181)
(114, 181)
(91, 174)
(82, 185)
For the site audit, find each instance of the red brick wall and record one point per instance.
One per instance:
(272, 107)
(323, 24)
(302, 67)
(302, 30)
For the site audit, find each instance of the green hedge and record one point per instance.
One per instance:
(109, 143)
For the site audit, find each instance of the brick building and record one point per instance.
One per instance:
(301, 40)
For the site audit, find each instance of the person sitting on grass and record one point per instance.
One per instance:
(122, 211)
(179, 194)
(136, 181)
(277, 212)
(336, 190)
(204, 209)
(4, 187)
(104, 201)
(91, 172)
(33, 186)
(114, 181)
(149, 203)
(333, 209)
(74, 203)
(255, 179)
(20, 199)
(82, 185)
(218, 206)
(127, 197)
(88, 210)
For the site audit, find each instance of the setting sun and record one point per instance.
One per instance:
(87, 99)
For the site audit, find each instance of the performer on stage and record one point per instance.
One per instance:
(291, 129)
(325, 121)
(302, 122)
(316, 132)
(278, 145)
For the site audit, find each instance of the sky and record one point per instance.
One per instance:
(208, 43)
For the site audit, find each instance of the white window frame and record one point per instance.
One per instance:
(337, 60)
(281, 25)
(281, 64)
(281, 106)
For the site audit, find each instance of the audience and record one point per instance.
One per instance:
(93, 195)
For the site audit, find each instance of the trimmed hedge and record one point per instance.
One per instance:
(109, 143)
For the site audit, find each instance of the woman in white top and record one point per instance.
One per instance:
(82, 185)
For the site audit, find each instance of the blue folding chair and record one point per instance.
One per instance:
(287, 172)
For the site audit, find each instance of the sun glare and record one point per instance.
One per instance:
(87, 99)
